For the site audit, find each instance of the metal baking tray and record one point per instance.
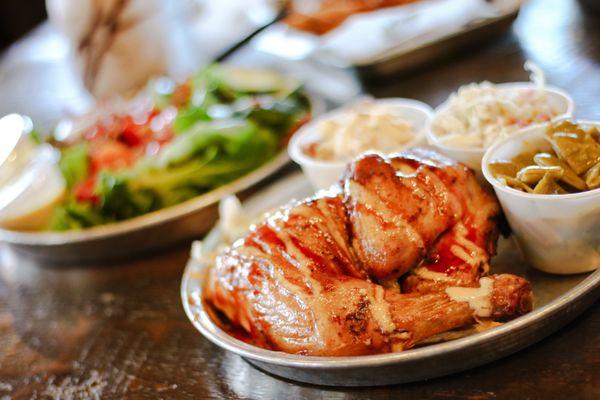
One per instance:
(558, 300)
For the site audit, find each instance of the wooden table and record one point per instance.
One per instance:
(119, 331)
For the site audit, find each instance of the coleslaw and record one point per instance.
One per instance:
(479, 114)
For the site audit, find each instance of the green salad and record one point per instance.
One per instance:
(175, 142)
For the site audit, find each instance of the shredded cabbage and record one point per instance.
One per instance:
(479, 114)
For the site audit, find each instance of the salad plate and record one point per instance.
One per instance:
(150, 171)
(150, 231)
(557, 301)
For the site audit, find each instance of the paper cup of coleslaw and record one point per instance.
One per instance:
(324, 146)
(479, 115)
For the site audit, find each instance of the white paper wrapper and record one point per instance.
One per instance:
(119, 44)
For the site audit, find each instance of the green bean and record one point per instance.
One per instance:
(574, 145)
(570, 165)
(534, 173)
(592, 177)
(569, 176)
(514, 183)
(548, 185)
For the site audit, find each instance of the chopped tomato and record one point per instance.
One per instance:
(131, 136)
(116, 143)
(136, 134)
(84, 191)
(111, 156)
(131, 133)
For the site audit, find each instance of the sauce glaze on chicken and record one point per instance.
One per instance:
(372, 265)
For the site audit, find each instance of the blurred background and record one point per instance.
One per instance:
(19, 17)
(328, 53)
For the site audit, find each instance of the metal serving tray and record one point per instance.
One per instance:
(558, 300)
(159, 229)
(465, 27)
(472, 35)
(190, 219)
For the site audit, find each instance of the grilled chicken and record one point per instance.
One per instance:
(321, 277)
(407, 207)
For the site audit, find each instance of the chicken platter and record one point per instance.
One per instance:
(394, 254)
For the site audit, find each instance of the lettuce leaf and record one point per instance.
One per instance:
(74, 163)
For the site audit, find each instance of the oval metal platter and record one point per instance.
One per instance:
(558, 300)
(152, 231)
(189, 219)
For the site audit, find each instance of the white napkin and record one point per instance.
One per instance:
(119, 44)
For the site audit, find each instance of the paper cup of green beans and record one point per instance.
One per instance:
(547, 178)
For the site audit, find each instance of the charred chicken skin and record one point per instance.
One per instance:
(396, 253)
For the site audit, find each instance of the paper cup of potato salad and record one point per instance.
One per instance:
(547, 179)
(324, 146)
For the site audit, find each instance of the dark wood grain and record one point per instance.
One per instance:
(119, 331)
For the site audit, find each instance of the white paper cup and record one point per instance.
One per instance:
(472, 156)
(559, 234)
(321, 173)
